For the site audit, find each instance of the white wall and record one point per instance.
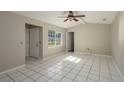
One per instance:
(12, 39)
(93, 36)
(118, 41)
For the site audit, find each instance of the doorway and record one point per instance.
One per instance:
(70, 41)
(33, 41)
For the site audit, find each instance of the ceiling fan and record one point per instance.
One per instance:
(72, 17)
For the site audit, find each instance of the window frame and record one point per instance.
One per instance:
(55, 45)
(51, 37)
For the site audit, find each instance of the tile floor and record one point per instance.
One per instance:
(69, 67)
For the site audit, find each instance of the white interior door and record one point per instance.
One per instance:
(34, 42)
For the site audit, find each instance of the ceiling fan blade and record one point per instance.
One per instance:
(79, 16)
(75, 19)
(65, 20)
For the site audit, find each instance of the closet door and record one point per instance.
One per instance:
(34, 42)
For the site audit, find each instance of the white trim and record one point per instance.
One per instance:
(102, 55)
(93, 54)
(6, 71)
(116, 66)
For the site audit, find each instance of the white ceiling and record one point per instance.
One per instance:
(52, 17)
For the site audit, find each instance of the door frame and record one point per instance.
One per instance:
(67, 40)
(40, 40)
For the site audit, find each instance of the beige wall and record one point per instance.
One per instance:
(12, 34)
(12, 39)
(118, 41)
(93, 36)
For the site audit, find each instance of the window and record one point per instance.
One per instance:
(54, 38)
(58, 38)
(51, 38)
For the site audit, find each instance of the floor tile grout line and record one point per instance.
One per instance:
(99, 68)
(34, 70)
(26, 75)
(109, 69)
(71, 70)
(52, 72)
(68, 72)
(61, 58)
(40, 74)
(97, 59)
(45, 76)
(82, 66)
(48, 62)
(86, 58)
(10, 77)
(65, 54)
(90, 69)
(54, 60)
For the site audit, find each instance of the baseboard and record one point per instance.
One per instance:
(12, 69)
(102, 55)
(54, 55)
(92, 54)
(116, 66)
